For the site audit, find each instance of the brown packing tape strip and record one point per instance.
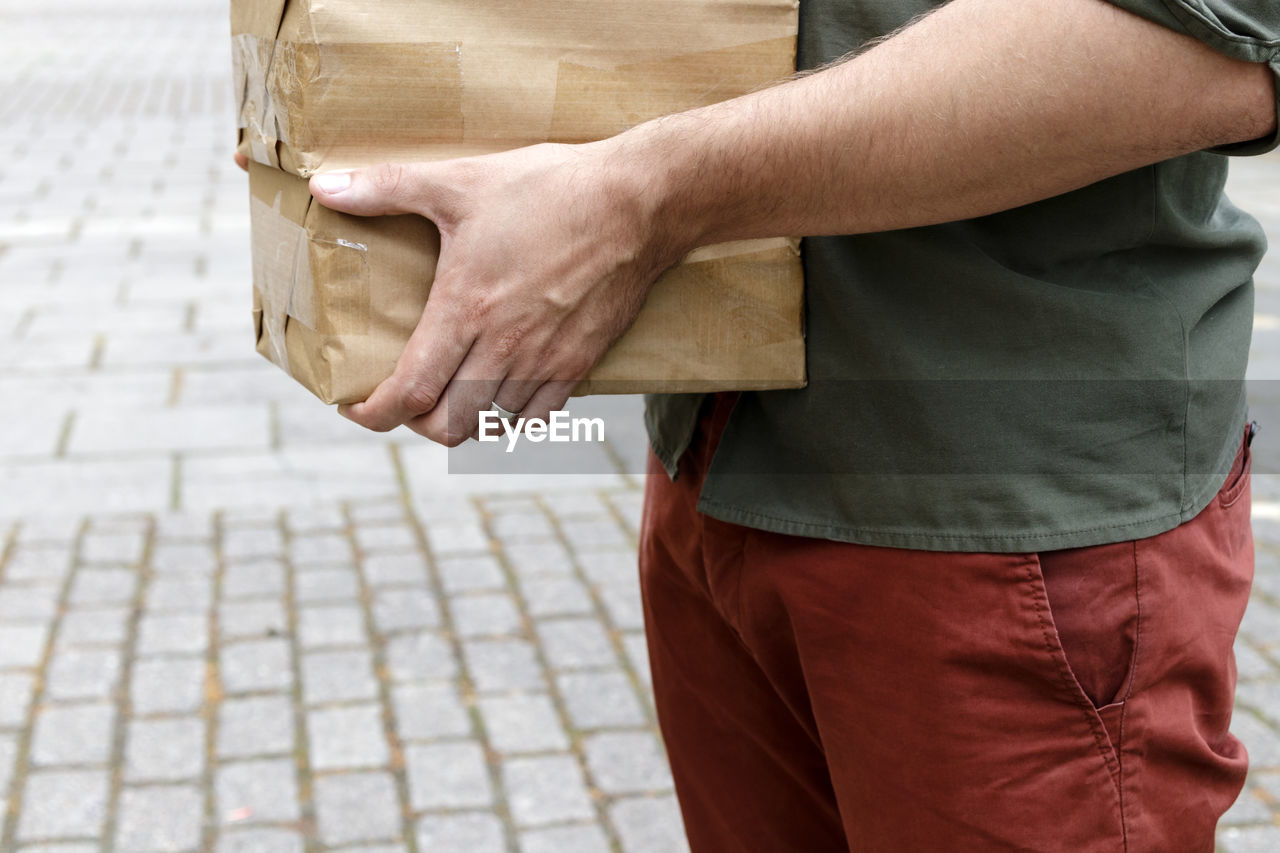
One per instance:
(305, 106)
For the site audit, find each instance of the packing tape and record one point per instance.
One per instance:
(319, 282)
(306, 105)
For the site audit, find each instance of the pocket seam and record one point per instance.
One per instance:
(1053, 645)
(1232, 492)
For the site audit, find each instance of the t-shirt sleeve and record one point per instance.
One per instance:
(1243, 29)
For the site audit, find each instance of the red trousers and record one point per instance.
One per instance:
(818, 696)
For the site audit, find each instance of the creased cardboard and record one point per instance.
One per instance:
(345, 83)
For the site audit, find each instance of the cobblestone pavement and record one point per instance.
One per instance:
(230, 620)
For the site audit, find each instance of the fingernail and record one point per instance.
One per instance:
(333, 182)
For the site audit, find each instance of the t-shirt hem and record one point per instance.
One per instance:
(947, 540)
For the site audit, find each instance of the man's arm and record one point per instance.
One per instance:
(984, 105)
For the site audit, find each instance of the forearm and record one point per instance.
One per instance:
(982, 106)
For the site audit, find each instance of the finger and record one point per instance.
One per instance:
(377, 190)
(430, 359)
(241, 160)
(457, 416)
(550, 397)
(514, 394)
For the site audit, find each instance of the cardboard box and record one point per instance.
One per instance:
(347, 83)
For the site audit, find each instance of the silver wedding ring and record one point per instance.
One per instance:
(503, 413)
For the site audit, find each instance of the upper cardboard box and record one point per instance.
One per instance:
(325, 85)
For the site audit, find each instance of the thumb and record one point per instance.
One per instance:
(377, 190)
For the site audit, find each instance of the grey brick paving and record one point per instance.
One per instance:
(73, 734)
(461, 833)
(257, 791)
(357, 807)
(448, 776)
(159, 819)
(213, 593)
(346, 738)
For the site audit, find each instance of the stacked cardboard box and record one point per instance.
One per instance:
(327, 84)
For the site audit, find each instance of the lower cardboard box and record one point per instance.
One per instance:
(336, 297)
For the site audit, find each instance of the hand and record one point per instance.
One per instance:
(546, 255)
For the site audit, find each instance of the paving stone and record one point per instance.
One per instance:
(637, 650)
(73, 734)
(56, 531)
(338, 677)
(600, 700)
(100, 627)
(347, 737)
(22, 645)
(173, 527)
(255, 726)
(609, 566)
(16, 690)
(556, 596)
(627, 762)
(397, 538)
(1248, 808)
(83, 674)
(594, 532)
(63, 804)
(485, 615)
(1264, 696)
(249, 619)
(503, 665)
(255, 665)
(20, 604)
(404, 609)
(160, 819)
(545, 790)
(112, 547)
(624, 606)
(392, 570)
(180, 594)
(460, 538)
(125, 430)
(315, 519)
(256, 579)
(167, 685)
(447, 776)
(168, 750)
(84, 486)
(160, 633)
(252, 542)
(649, 825)
(334, 625)
(99, 587)
(473, 573)
(420, 657)
(257, 791)
(517, 527)
(522, 723)
(462, 833)
(260, 841)
(320, 549)
(575, 643)
(40, 563)
(357, 807)
(184, 559)
(429, 711)
(321, 585)
(8, 760)
(540, 559)
(562, 839)
(1255, 839)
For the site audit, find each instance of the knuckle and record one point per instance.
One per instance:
(418, 397)
(387, 178)
(508, 342)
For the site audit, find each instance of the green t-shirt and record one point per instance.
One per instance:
(1063, 374)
